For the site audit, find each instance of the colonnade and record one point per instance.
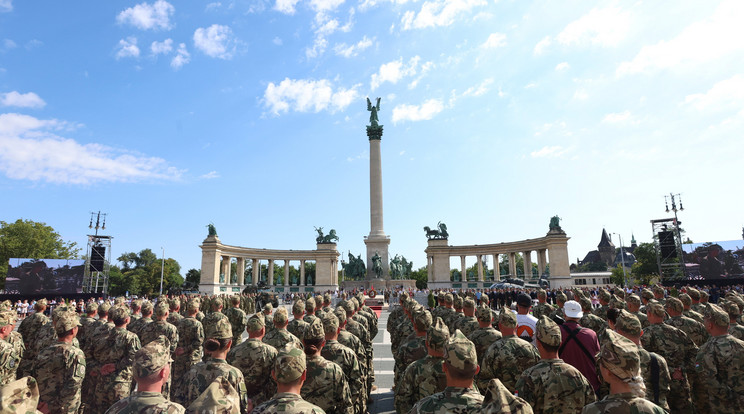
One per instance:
(512, 265)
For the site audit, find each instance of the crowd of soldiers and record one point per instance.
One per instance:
(658, 351)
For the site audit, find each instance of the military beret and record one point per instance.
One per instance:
(255, 323)
(65, 322)
(298, 307)
(437, 335)
(674, 305)
(289, 365)
(628, 323)
(717, 315)
(91, 307)
(330, 322)
(161, 309)
(460, 352)
(548, 332)
(620, 356)
(507, 318)
(151, 358)
(422, 319)
(220, 329)
(483, 313)
(280, 316)
(314, 331)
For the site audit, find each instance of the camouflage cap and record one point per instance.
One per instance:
(542, 293)
(119, 300)
(137, 303)
(235, 300)
(686, 300)
(280, 316)
(658, 290)
(330, 322)
(19, 396)
(633, 299)
(174, 303)
(298, 307)
(437, 335)
(586, 304)
(340, 314)
(674, 305)
(219, 397)
(459, 352)
(448, 298)
(647, 294)
(348, 306)
(483, 313)
(65, 322)
(192, 305)
(457, 301)
(620, 356)
(628, 323)
(548, 332)
(731, 308)
(314, 330)
(42, 302)
(403, 295)
(220, 329)
(422, 319)
(737, 300)
(703, 295)
(561, 297)
(255, 323)
(91, 307)
(118, 313)
(498, 399)
(161, 309)
(507, 318)
(60, 310)
(147, 306)
(290, 364)
(268, 307)
(310, 304)
(327, 298)
(717, 315)
(604, 295)
(655, 308)
(694, 293)
(617, 303)
(7, 318)
(152, 357)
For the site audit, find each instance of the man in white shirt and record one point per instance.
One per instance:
(526, 323)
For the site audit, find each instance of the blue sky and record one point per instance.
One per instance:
(251, 114)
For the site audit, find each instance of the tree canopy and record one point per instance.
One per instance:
(32, 240)
(140, 274)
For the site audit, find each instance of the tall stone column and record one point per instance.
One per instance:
(512, 264)
(527, 256)
(302, 273)
(240, 269)
(270, 280)
(256, 269)
(541, 262)
(377, 242)
(480, 268)
(463, 272)
(286, 273)
(225, 270)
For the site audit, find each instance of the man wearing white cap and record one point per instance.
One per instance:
(579, 345)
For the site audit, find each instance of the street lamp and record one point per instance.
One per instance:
(622, 259)
(162, 267)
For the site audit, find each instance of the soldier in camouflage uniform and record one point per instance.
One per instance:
(280, 336)
(87, 323)
(735, 330)
(688, 312)
(553, 386)
(542, 307)
(268, 317)
(369, 314)
(189, 349)
(290, 373)
(160, 327)
(309, 311)
(346, 359)
(678, 350)
(136, 326)
(425, 376)
(255, 360)
(590, 320)
(237, 318)
(358, 330)
(136, 311)
(174, 315)
(326, 385)
(619, 364)
(115, 361)
(467, 323)
(560, 300)
(60, 368)
(99, 330)
(151, 370)
(8, 358)
(508, 357)
(657, 384)
(297, 326)
(604, 303)
(485, 335)
(460, 366)
(218, 338)
(634, 306)
(499, 400)
(352, 342)
(414, 349)
(29, 328)
(403, 330)
(721, 362)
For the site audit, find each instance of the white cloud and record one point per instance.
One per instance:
(163, 47)
(581, 95)
(215, 41)
(22, 100)
(425, 111)
(182, 57)
(128, 48)
(554, 151)
(480, 89)
(210, 175)
(558, 128)
(719, 35)
(213, 6)
(438, 13)
(323, 6)
(9, 44)
(600, 27)
(304, 95)
(29, 151)
(530, 85)
(286, 6)
(277, 41)
(394, 71)
(6, 6)
(724, 94)
(562, 66)
(495, 40)
(542, 45)
(617, 117)
(342, 49)
(148, 16)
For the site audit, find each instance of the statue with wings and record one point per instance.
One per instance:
(373, 120)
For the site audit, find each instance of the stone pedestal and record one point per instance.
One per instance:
(439, 270)
(380, 246)
(210, 268)
(325, 268)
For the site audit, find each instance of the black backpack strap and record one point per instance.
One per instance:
(572, 336)
(655, 377)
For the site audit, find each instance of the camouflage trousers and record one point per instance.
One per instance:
(88, 390)
(699, 393)
(179, 370)
(109, 392)
(679, 398)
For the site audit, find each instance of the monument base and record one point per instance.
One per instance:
(378, 284)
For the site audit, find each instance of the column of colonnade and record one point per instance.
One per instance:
(512, 263)
(226, 279)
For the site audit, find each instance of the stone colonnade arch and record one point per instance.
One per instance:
(217, 258)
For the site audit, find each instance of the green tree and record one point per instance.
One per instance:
(421, 277)
(504, 264)
(31, 240)
(141, 274)
(617, 277)
(193, 276)
(646, 267)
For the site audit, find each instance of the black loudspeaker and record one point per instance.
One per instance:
(97, 256)
(667, 245)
